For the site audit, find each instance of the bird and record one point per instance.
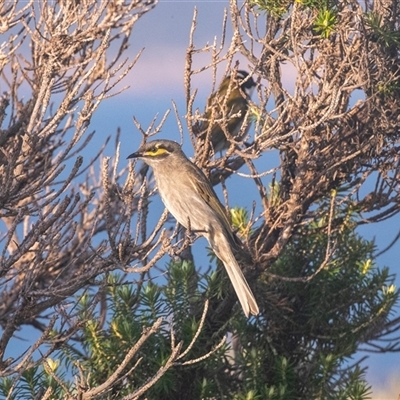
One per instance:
(189, 197)
(230, 102)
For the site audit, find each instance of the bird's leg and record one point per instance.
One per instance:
(189, 233)
(184, 251)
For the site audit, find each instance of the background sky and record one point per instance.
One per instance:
(157, 79)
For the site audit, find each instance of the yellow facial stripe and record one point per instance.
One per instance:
(155, 152)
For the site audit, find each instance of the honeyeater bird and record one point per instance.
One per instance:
(230, 102)
(189, 197)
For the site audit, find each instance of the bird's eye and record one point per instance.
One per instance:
(156, 151)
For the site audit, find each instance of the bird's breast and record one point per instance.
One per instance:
(185, 204)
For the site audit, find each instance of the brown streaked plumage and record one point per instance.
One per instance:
(188, 196)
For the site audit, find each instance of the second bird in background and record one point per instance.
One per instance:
(227, 110)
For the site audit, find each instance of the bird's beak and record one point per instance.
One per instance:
(135, 155)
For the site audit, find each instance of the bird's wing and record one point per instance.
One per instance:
(237, 104)
(206, 192)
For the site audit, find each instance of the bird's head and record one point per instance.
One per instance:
(157, 151)
(241, 79)
(246, 82)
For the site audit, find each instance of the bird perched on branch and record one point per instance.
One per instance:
(229, 106)
(189, 197)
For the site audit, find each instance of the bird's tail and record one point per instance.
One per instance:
(223, 251)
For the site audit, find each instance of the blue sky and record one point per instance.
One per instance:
(158, 78)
